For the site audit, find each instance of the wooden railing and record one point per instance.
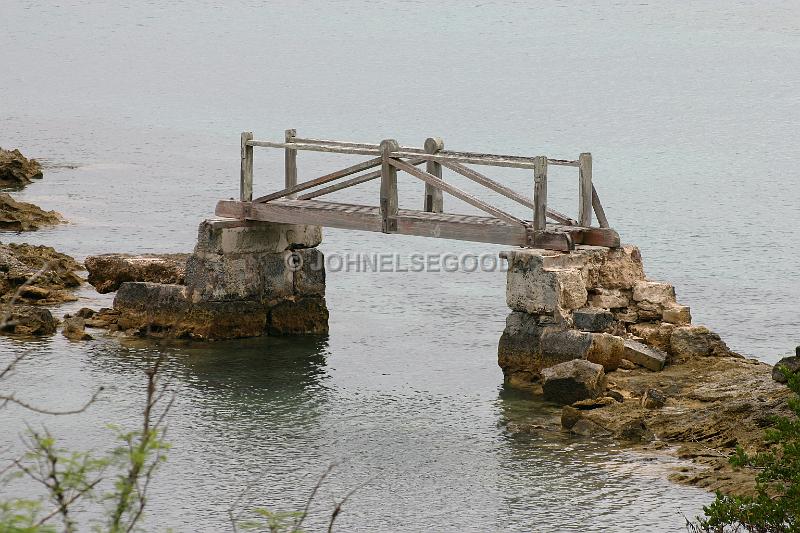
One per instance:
(388, 157)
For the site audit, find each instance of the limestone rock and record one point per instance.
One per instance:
(22, 216)
(16, 170)
(27, 320)
(593, 319)
(108, 271)
(558, 345)
(627, 364)
(299, 316)
(621, 268)
(608, 298)
(646, 356)
(532, 288)
(36, 274)
(606, 350)
(690, 341)
(160, 310)
(626, 315)
(792, 364)
(75, 329)
(679, 315)
(575, 380)
(653, 399)
(654, 334)
(260, 276)
(653, 292)
(231, 236)
(594, 403)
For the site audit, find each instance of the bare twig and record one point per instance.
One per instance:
(6, 399)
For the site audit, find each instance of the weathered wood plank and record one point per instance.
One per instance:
(540, 194)
(317, 148)
(481, 179)
(360, 167)
(246, 173)
(349, 183)
(434, 201)
(388, 199)
(598, 209)
(455, 191)
(290, 162)
(585, 190)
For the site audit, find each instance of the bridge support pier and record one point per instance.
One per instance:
(244, 279)
(593, 303)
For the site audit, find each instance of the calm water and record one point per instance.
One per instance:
(690, 111)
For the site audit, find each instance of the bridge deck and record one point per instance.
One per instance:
(412, 222)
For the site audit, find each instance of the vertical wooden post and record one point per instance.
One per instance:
(585, 206)
(290, 162)
(434, 202)
(388, 187)
(246, 175)
(539, 193)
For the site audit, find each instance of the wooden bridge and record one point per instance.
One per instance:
(288, 206)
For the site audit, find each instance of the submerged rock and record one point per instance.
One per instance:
(572, 381)
(27, 320)
(108, 271)
(36, 274)
(16, 170)
(75, 329)
(22, 216)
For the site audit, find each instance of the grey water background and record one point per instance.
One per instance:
(690, 110)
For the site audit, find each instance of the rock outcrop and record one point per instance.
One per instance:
(593, 303)
(22, 216)
(27, 320)
(108, 271)
(16, 170)
(36, 274)
(244, 279)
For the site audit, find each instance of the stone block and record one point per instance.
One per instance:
(309, 276)
(306, 315)
(538, 291)
(608, 298)
(249, 276)
(657, 334)
(572, 381)
(606, 350)
(593, 319)
(160, 310)
(690, 341)
(621, 268)
(653, 399)
(558, 346)
(518, 350)
(626, 315)
(654, 292)
(679, 315)
(643, 355)
(231, 236)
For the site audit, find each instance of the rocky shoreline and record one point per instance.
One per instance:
(587, 330)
